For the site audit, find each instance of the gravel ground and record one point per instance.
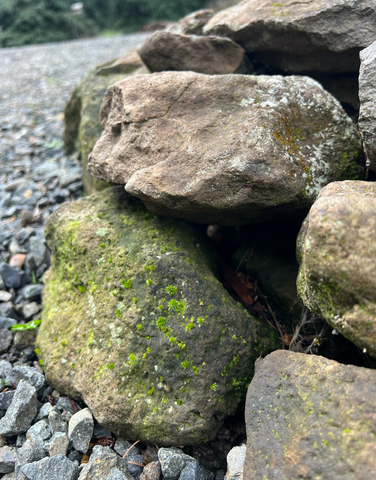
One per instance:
(43, 76)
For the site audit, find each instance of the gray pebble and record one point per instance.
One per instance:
(21, 411)
(38, 249)
(30, 309)
(30, 374)
(38, 432)
(12, 276)
(6, 322)
(57, 424)
(6, 337)
(5, 296)
(105, 463)
(51, 468)
(8, 456)
(6, 399)
(44, 411)
(59, 444)
(80, 431)
(32, 291)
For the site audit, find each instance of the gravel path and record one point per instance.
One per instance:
(43, 76)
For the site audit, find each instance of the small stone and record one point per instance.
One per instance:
(105, 463)
(13, 277)
(6, 338)
(21, 439)
(16, 249)
(21, 412)
(30, 309)
(5, 296)
(29, 452)
(152, 471)
(66, 177)
(2, 284)
(31, 375)
(44, 411)
(235, 463)
(6, 310)
(59, 444)
(8, 457)
(38, 432)
(194, 471)
(122, 445)
(75, 456)
(66, 415)
(81, 427)
(51, 468)
(6, 374)
(32, 291)
(172, 462)
(25, 338)
(134, 470)
(100, 431)
(17, 260)
(38, 249)
(57, 424)
(6, 399)
(64, 404)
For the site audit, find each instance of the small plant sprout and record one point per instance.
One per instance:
(27, 326)
(214, 386)
(171, 290)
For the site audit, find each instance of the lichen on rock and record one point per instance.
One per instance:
(136, 324)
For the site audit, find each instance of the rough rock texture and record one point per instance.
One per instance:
(104, 463)
(367, 114)
(21, 412)
(51, 468)
(336, 250)
(165, 51)
(224, 149)
(132, 310)
(308, 417)
(193, 23)
(8, 457)
(235, 463)
(82, 128)
(304, 36)
(81, 427)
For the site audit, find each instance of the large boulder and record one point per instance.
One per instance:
(82, 127)
(367, 96)
(225, 149)
(175, 51)
(297, 37)
(133, 311)
(337, 251)
(309, 417)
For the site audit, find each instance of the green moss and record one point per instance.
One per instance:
(171, 290)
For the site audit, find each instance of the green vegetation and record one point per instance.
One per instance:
(27, 326)
(27, 22)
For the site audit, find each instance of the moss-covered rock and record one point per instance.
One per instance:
(309, 418)
(337, 249)
(136, 324)
(82, 127)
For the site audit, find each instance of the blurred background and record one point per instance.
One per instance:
(25, 22)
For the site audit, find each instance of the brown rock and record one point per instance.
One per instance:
(300, 37)
(193, 23)
(337, 249)
(166, 51)
(226, 149)
(17, 260)
(152, 471)
(309, 417)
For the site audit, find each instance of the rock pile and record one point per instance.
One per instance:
(136, 324)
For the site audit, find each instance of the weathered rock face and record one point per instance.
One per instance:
(132, 310)
(367, 114)
(300, 37)
(193, 23)
(337, 250)
(82, 127)
(226, 149)
(166, 51)
(307, 415)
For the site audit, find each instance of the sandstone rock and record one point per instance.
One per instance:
(82, 128)
(367, 115)
(226, 149)
(211, 55)
(336, 250)
(132, 310)
(295, 37)
(193, 23)
(307, 415)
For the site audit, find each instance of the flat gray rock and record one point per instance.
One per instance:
(30, 452)
(317, 36)
(307, 415)
(59, 444)
(51, 468)
(367, 97)
(21, 412)
(6, 399)
(39, 431)
(80, 431)
(105, 464)
(57, 424)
